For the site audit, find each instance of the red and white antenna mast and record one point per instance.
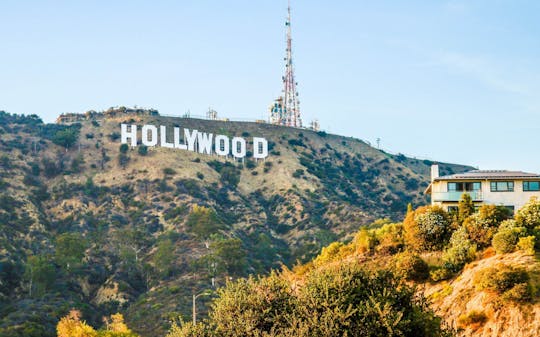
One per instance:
(286, 109)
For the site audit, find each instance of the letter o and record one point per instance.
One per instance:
(238, 147)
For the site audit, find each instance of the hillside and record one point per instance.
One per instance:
(86, 224)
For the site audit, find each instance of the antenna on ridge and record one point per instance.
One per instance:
(286, 109)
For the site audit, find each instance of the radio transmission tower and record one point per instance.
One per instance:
(286, 109)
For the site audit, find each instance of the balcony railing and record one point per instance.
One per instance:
(456, 196)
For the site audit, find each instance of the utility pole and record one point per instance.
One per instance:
(194, 304)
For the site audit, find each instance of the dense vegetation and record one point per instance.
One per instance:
(88, 224)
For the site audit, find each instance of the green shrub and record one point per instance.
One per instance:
(365, 241)
(124, 148)
(473, 319)
(427, 228)
(482, 225)
(507, 237)
(344, 301)
(200, 175)
(389, 238)
(529, 215)
(328, 253)
(442, 273)
(298, 173)
(460, 251)
(527, 244)
(521, 292)
(500, 278)
(411, 267)
(143, 150)
(168, 171)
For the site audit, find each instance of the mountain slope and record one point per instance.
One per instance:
(85, 225)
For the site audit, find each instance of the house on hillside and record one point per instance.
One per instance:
(511, 189)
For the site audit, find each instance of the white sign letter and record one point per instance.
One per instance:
(177, 143)
(163, 137)
(205, 142)
(190, 139)
(154, 137)
(260, 148)
(129, 134)
(222, 145)
(238, 147)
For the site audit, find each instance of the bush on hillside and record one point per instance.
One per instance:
(507, 237)
(365, 241)
(529, 215)
(411, 267)
(460, 251)
(444, 272)
(527, 244)
(329, 253)
(427, 229)
(389, 238)
(343, 301)
(521, 292)
(482, 225)
(142, 150)
(500, 278)
(473, 320)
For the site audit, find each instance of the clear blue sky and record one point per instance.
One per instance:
(453, 81)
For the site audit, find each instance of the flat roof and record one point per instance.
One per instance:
(489, 175)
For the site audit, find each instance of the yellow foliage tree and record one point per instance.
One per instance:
(117, 324)
(72, 326)
(115, 327)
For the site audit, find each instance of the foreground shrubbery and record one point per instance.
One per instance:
(342, 301)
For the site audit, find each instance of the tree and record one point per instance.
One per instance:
(164, 257)
(70, 250)
(72, 326)
(40, 274)
(465, 207)
(115, 327)
(203, 221)
(66, 137)
(230, 256)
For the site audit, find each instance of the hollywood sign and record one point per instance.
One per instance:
(192, 140)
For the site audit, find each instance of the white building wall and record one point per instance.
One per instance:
(518, 198)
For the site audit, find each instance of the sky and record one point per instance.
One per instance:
(453, 81)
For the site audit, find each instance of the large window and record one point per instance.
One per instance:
(464, 186)
(531, 186)
(502, 186)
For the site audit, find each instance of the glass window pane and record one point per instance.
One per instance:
(534, 185)
(477, 186)
(493, 186)
(451, 186)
